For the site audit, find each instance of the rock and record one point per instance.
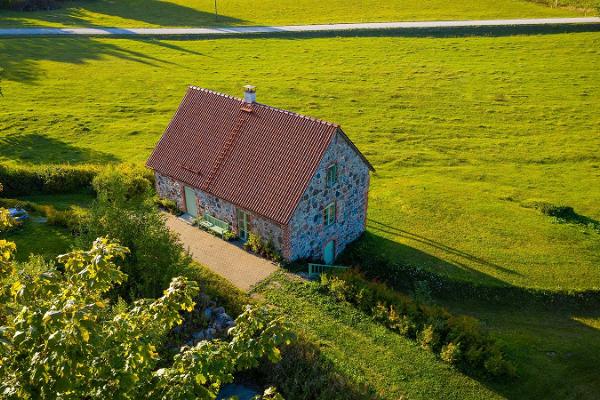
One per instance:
(218, 310)
(207, 313)
(198, 335)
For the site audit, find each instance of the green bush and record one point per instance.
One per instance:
(125, 210)
(258, 246)
(432, 326)
(47, 179)
(167, 205)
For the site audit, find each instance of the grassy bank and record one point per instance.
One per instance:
(555, 351)
(366, 351)
(153, 13)
(463, 132)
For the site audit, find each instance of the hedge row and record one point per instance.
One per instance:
(47, 179)
(407, 277)
(458, 340)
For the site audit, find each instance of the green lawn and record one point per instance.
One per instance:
(365, 351)
(153, 13)
(462, 131)
(39, 238)
(556, 351)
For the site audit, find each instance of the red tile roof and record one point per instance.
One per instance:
(257, 157)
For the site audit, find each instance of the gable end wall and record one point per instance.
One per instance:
(307, 233)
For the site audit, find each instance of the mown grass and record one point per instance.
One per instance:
(153, 13)
(364, 350)
(463, 132)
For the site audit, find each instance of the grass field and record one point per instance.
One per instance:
(555, 354)
(366, 351)
(152, 13)
(463, 131)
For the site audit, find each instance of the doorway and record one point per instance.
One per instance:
(243, 225)
(190, 201)
(329, 252)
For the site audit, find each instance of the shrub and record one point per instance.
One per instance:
(434, 327)
(258, 246)
(125, 210)
(451, 353)
(48, 179)
(167, 205)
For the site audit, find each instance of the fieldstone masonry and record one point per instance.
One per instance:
(306, 235)
(307, 232)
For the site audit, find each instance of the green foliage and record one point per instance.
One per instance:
(167, 205)
(46, 179)
(29, 5)
(125, 211)
(7, 223)
(434, 327)
(62, 340)
(305, 374)
(258, 246)
(219, 289)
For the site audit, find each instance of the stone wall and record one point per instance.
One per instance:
(167, 187)
(307, 233)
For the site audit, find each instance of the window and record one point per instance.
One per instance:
(329, 214)
(331, 175)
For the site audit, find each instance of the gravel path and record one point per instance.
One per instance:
(248, 30)
(243, 269)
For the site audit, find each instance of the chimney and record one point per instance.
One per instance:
(249, 94)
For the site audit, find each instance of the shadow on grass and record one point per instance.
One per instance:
(153, 12)
(545, 333)
(38, 149)
(402, 266)
(19, 57)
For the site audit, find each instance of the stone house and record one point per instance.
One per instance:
(294, 180)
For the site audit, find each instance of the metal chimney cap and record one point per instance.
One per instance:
(250, 88)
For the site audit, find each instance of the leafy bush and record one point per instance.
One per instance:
(434, 327)
(62, 339)
(48, 179)
(125, 210)
(168, 205)
(258, 246)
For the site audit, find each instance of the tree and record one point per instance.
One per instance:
(62, 338)
(125, 211)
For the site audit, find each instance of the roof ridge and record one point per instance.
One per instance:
(281, 110)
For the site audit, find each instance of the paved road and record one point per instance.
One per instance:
(249, 30)
(241, 268)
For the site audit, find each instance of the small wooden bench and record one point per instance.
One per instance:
(214, 224)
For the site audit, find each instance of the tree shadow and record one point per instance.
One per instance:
(38, 149)
(19, 56)
(155, 12)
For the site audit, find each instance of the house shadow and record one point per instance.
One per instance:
(154, 12)
(38, 149)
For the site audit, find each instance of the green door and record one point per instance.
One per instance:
(243, 225)
(190, 201)
(329, 252)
